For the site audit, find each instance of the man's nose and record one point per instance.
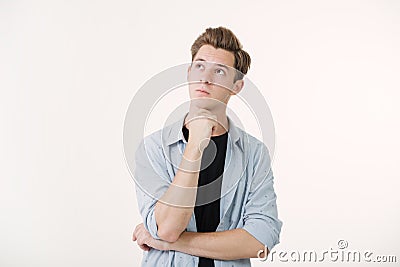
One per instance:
(205, 81)
(206, 78)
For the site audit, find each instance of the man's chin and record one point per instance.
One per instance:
(210, 104)
(204, 106)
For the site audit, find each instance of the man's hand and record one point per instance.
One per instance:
(146, 241)
(200, 127)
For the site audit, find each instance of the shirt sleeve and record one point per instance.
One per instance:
(260, 211)
(152, 181)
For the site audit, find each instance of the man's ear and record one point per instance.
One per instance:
(237, 87)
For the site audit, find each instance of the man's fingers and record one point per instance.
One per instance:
(137, 230)
(144, 247)
(140, 242)
(138, 227)
(135, 234)
(141, 239)
(141, 236)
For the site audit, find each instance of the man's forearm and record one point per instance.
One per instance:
(226, 245)
(174, 210)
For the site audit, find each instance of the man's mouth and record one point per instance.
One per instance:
(202, 91)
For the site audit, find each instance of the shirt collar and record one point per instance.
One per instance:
(173, 133)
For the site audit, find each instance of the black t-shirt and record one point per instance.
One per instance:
(212, 168)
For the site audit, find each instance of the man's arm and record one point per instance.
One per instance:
(175, 208)
(225, 245)
(261, 224)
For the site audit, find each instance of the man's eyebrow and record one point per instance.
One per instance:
(223, 66)
(218, 64)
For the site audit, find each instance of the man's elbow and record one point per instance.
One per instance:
(168, 235)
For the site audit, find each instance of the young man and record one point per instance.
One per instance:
(217, 205)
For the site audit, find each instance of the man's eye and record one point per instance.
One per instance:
(199, 66)
(220, 71)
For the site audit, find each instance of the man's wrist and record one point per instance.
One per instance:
(191, 160)
(192, 151)
(177, 245)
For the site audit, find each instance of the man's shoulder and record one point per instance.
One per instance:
(159, 137)
(154, 137)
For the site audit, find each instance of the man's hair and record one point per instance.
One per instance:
(225, 39)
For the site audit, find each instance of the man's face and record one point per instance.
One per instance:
(211, 76)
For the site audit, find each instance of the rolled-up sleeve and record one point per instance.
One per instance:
(260, 212)
(152, 180)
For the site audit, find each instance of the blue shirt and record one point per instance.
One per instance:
(248, 199)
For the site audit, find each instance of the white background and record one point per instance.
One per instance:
(69, 69)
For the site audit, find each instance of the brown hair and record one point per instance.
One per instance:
(225, 39)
